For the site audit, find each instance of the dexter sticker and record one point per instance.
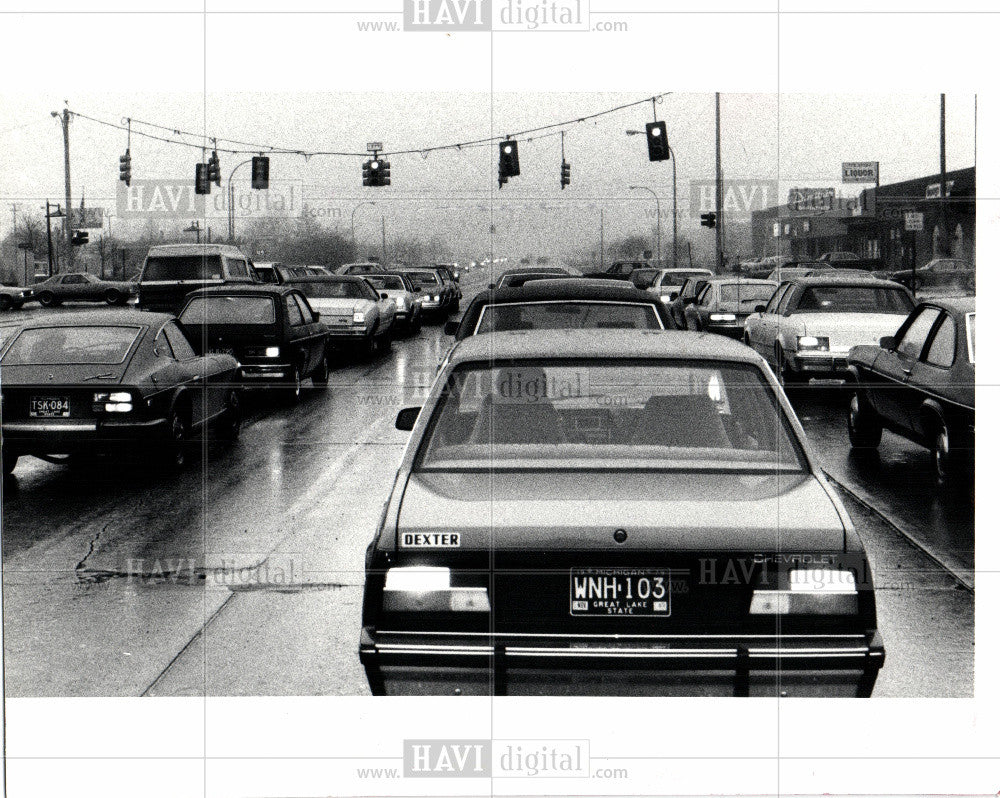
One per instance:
(432, 540)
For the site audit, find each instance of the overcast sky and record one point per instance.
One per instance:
(799, 139)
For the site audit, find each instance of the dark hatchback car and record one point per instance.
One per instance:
(723, 304)
(921, 384)
(561, 304)
(109, 382)
(271, 329)
(556, 528)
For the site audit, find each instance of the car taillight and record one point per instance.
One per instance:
(427, 589)
(113, 402)
(810, 591)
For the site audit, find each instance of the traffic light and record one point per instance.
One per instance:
(125, 168)
(708, 220)
(202, 185)
(375, 173)
(385, 174)
(564, 176)
(260, 170)
(80, 237)
(656, 140)
(510, 166)
(214, 169)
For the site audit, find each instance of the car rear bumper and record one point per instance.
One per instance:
(731, 329)
(817, 666)
(820, 364)
(62, 436)
(263, 373)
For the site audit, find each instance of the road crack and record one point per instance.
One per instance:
(80, 566)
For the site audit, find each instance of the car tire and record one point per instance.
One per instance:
(231, 423)
(6, 303)
(415, 324)
(949, 465)
(17, 305)
(9, 462)
(293, 389)
(321, 376)
(173, 456)
(46, 299)
(864, 428)
(370, 346)
(112, 297)
(385, 342)
(785, 375)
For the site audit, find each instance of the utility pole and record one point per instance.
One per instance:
(13, 210)
(718, 190)
(945, 236)
(48, 233)
(602, 239)
(385, 253)
(68, 220)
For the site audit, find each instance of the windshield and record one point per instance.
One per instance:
(568, 315)
(70, 346)
(183, 267)
(229, 310)
(752, 294)
(334, 289)
(387, 282)
(854, 299)
(604, 414)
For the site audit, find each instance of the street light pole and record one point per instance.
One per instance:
(657, 198)
(673, 164)
(230, 199)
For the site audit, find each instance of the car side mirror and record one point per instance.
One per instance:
(407, 418)
(887, 342)
(384, 295)
(492, 286)
(760, 309)
(674, 295)
(315, 316)
(451, 328)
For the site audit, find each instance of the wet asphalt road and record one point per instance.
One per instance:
(243, 575)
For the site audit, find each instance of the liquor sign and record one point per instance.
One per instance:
(859, 172)
(913, 221)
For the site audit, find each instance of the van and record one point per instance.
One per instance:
(172, 271)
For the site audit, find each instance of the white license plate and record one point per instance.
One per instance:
(49, 407)
(221, 350)
(626, 592)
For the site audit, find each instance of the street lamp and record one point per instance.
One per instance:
(231, 198)
(657, 198)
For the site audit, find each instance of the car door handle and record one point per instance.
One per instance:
(907, 371)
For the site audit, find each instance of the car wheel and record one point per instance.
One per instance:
(112, 297)
(174, 454)
(784, 374)
(370, 346)
(9, 461)
(17, 305)
(321, 376)
(945, 460)
(232, 419)
(5, 302)
(385, 343)
(415, 324)
(864, 427)
(46, 300)
(293, 390)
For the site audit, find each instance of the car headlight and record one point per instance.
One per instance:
(429, 589)
(114, 402)
(811, 591)
(722, 317)
(812, 343)
(272, 351)
(359, 317)
(427, 297)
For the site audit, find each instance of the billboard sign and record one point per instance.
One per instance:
(914, 221)
(159, 199)
(859, 172)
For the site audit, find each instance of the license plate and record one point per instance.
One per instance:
(619, 591)
(49, 407)
(221, 350)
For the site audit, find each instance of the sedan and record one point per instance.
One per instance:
(939, 277)
(667, 283)
(435, 297)
(725, 303)
(358, 318)
(82, 287)
(807, 328)
(109, 382)
(921, 384)
(687, 294)
(14, 297)
(405, 296)
(277, 337)
(556, 528)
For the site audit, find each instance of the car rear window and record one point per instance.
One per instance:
(854, 299)
(68, 346)
(183, 267)
(334, 289)
(229, 310)
(389, 282)
(734, 294)
(424, 278)
(607, 414)
(563, 315)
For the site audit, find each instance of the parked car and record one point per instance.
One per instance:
(921, 383)
(667, 283)
(807, 328)
(111, 381)
(838, 257)
(560, 304)
(689, 291)
(361, 268)
(272, 330)
(435, 296)
(172, 271)
(13, 297)
(359, 318)
(619, 270)
(939, 277)
(81, 287)
(555, 528)
(407, 299)
(724, 303)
